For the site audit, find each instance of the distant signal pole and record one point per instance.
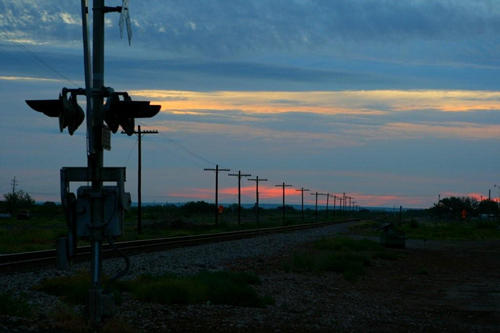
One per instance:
(283, 185)
(239, 175)
(140, 133)
(217, 170)
(257, 180)
(302, 190)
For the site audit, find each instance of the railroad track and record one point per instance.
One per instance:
(36, 259)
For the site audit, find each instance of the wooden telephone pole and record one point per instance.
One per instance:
(217, 170)
(239, 175)
(302, 190)
(316, 194)
(140, 133)
(257, 180)
(284, 207)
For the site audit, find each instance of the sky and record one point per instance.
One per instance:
(393, 102)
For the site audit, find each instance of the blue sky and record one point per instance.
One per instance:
(391, 101)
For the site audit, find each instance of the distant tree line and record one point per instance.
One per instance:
(455, 207)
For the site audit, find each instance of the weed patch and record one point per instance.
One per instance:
(213, 287)
(73, 289)
(347, 256)
(14, 306)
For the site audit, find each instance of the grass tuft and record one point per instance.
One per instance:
(342, 255)
(205, 287)
(14, 306)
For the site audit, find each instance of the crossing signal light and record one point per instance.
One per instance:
(121, 110)
(68, 111)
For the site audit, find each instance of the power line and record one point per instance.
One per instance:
(41, 61)
(189, 151)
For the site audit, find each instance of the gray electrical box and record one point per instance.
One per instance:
(115, 202)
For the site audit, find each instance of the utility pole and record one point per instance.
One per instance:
(217, 170)
(140, 133)
(239, 175)
(327, 199)
(302, 190)
(334, 204)
(283, 185)
(257, 180)
(316, 194)
(343, 203)
(14, 184)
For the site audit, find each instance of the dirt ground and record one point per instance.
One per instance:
(432, 287)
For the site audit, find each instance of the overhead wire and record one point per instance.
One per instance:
(40, 60)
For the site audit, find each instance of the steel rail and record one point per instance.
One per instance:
(36, 259)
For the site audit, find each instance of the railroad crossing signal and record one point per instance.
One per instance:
(121, 110)
(102, 203)
(68, 111)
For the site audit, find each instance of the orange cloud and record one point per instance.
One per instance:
(356, 102)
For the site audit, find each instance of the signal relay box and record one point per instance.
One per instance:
(115, 202)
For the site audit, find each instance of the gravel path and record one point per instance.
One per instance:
(181, 260)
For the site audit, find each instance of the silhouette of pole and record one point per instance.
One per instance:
(334, 204)
(343, 203)
(302, 190)
(239, 175)
(257, 180)
(217, 170)
(284, 207)
(316, 194)
(140, 133)
(327, 200)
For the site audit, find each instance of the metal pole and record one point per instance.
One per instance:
(95, 161)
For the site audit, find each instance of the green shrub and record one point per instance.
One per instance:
(14, 306)
(74, 289)
(215, 287)
(346, 256)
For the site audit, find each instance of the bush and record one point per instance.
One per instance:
(18, 200)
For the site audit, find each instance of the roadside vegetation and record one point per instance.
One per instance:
(46, 222)
(17, 306)
(343, 255)
(221, 287)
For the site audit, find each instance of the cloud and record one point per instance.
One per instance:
(27, 78)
